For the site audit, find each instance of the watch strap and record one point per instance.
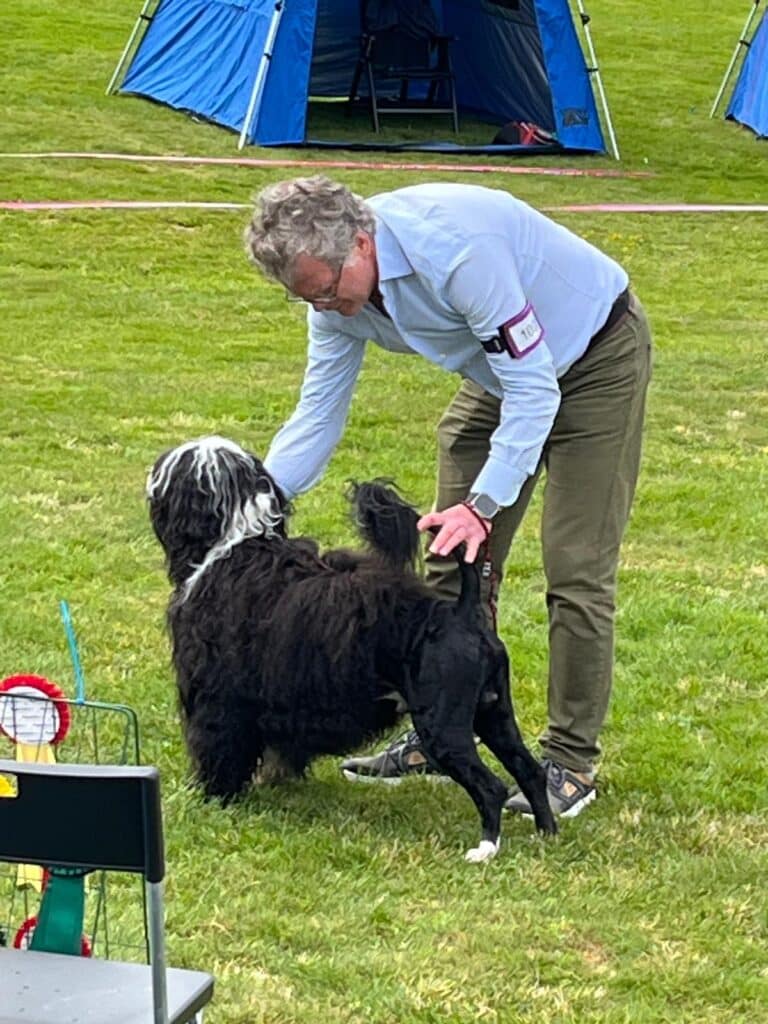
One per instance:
(479, 518)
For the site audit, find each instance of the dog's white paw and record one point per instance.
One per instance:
(485, 851)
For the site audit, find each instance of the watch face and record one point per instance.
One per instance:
(484, 505)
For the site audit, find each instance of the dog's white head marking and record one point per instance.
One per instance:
(214, 460)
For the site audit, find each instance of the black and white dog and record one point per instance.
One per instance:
(283, 654)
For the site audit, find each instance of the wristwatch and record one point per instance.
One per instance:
(483, 505)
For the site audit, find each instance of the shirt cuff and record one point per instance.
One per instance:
(281, 479)
(500, 481)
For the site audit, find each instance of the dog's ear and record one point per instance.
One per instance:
(183, 517)
(185, 509)
(285, 506)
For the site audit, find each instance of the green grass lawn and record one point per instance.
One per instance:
(123, 333)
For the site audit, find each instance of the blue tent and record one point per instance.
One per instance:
(749, 102)
(251, 65)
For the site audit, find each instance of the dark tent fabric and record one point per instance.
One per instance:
(514, 60)
(749, 102)
(414, 18)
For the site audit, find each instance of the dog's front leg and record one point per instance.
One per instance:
(225, 747)
(452, 748)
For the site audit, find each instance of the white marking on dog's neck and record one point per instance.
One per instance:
(213, 464)
(256, 518)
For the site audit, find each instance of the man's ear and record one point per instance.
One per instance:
(364, 244)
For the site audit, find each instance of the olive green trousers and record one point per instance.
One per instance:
(591, 461)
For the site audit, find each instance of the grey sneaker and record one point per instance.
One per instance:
(568, 792)
(396, 762)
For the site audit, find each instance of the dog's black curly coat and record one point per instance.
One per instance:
(283, 654)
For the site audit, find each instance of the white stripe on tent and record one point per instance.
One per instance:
(254, 105)
(741, 47)
(595, 69)
(142, 21)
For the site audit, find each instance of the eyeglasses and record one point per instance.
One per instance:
(327, 299)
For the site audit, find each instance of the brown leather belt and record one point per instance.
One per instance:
(618, 310)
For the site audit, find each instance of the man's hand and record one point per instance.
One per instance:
(456, 525)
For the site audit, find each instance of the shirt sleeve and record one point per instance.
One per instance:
(484, 288)
(302, 448)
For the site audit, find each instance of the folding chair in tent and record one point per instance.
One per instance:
(83, 818)
(401, 44)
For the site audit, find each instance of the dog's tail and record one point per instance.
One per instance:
(470, 596)
(386, 522)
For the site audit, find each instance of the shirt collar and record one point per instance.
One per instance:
(392, 261)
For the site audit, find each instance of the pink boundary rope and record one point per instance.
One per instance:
(367, 165)
(114, 204)
(663, 208)
(127, 204)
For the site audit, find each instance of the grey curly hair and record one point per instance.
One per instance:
(316, 216)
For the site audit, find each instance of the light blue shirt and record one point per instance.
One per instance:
(456, 264)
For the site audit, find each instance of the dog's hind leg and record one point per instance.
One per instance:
(496, 726)
(451, 746)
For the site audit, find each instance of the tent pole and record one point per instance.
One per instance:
(144, 16)
(595, 70)
(743, 41)
(261, 74)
